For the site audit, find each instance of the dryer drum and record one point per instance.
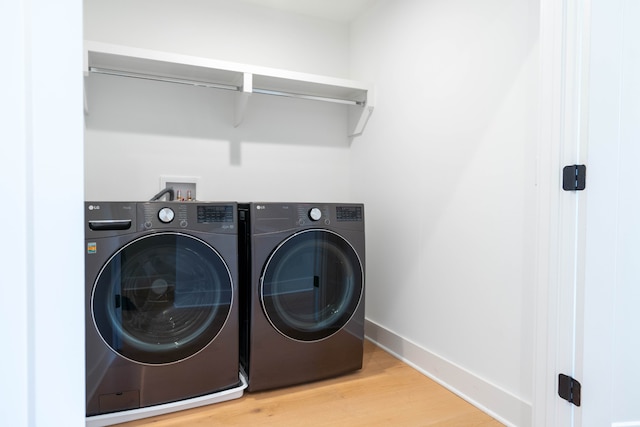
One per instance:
(162, 298)
(311, 285)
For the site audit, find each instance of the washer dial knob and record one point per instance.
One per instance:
(315, 214)
(166, 215)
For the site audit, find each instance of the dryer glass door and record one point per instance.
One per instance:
(162, 298)
(311, 285)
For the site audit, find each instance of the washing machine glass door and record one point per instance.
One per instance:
(311, 285)
(162, 298)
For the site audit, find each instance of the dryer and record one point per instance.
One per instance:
(302, 291)
(161, 302)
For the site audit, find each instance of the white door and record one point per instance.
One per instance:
(608, 350)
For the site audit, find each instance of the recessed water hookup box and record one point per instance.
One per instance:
(184, 187)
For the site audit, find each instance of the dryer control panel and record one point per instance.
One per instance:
(314, 215)
(272, 217)
(328, 214)
(349, 213)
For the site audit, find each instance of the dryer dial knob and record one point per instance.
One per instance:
(166, 215)
(315, 214)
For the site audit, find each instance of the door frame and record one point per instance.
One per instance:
(596, 362)
(562, 124)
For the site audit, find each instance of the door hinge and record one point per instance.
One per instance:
(574, 178)
(569, 389)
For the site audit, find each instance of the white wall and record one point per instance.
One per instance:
(14, 406)
(228, 30)
(41, 260)
(446, 170)
(138, 131)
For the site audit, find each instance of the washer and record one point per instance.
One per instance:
(302, 291)
(161, 302)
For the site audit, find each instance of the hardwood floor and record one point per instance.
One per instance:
(386, 392)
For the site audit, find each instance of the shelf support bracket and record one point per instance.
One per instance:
(242, 98)
(84, 92)
(358, 118)
(85, 73)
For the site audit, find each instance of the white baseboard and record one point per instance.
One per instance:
(627, 424)
(498, 403)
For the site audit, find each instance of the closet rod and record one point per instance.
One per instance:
(302, 96)
(220, 86)
(162, 79)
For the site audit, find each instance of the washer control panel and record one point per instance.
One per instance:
(191, 216)
(159, 215)
(166, 215)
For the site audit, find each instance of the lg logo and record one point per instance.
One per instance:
(94, 207)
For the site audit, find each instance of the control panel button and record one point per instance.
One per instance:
(166, 215)
(315, 214)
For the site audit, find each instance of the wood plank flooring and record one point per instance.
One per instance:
(386, 392)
